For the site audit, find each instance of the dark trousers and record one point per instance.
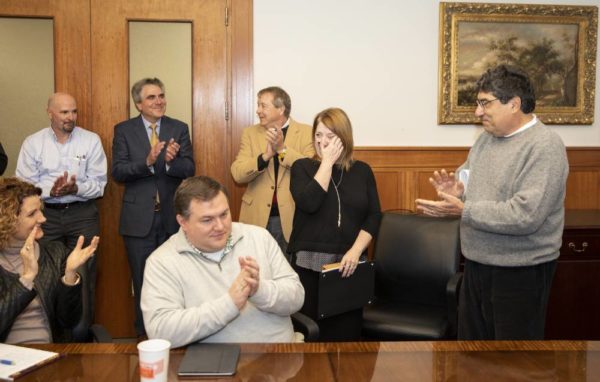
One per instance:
(274, 227)
(342, 327)
(504, 303)
(138, 250)
(66, 226)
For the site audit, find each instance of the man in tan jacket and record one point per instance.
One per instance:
(267, 152)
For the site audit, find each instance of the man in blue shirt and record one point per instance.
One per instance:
(68, 163)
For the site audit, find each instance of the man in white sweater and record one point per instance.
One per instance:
(218, 281)
(510, 195)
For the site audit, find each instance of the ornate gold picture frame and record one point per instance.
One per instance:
(554, 44)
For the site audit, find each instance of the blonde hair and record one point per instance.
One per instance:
(12, 193)
(336, 120)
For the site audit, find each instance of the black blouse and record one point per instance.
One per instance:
(315, 225)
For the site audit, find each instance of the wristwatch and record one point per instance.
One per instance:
(282, 153)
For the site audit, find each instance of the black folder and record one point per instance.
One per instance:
(339, 295)
(209, 360)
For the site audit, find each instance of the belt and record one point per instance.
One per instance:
(61, 206)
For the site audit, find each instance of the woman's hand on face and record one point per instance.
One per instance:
(332, 152)
(30, 263)
(79, 256)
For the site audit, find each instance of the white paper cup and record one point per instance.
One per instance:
(154, 360)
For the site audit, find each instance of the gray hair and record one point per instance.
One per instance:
(136, 89)
(280, 98)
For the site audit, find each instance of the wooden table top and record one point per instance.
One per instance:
(357, 361)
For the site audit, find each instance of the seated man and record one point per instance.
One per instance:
(218, 281)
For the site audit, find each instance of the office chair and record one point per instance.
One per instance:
(305, 325)
(85, 330)
(302, 323)
(416, 279)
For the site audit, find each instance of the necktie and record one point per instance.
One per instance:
(153, 141)
(153, 136)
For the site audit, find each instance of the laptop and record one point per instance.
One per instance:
(209, 360)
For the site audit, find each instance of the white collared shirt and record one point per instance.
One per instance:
(43, 159)
(524, 127)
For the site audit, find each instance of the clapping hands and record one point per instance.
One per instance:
(246, 283)
(78, 257)
(30, 263)
(274, 138)
(449, 190)
(447, 183)
(63, 185)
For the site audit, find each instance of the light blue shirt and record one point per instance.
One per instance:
(43, 159)
(149, 130)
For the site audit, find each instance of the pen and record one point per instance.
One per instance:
(6, 362)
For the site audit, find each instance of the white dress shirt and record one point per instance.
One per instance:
(43, 159)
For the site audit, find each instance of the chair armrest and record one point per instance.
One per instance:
(100, 334)
(306, 325)
(452, 294)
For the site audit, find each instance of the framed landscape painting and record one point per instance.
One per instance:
(554, 44)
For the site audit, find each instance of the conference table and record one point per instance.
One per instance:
(353, 361)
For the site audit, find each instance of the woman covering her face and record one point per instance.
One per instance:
(40, 290)
(337, 215)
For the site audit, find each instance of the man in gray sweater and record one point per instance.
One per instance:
(510, 195)
(218, 281)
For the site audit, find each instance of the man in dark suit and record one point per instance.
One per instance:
(152, 154)
(3, 160)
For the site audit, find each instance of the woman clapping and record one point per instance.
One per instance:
(40, 290)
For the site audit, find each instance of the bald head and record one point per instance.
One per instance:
(57, 97)
(62, 110)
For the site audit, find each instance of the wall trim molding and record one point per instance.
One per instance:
(402, 173)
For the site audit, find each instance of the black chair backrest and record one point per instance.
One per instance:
(81, 332)
(415, 257)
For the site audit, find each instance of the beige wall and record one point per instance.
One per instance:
(163, 50)
(26, 81)
(376, 59)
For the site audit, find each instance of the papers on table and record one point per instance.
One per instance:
(18, 360)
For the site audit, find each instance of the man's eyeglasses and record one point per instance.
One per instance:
(484, 102)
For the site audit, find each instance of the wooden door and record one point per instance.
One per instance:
(110, 95)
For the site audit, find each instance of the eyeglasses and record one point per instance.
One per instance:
(484, 102)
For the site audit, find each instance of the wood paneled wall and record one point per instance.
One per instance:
(402, 173)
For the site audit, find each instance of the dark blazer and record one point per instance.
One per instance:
(3, 160)
(130, 149)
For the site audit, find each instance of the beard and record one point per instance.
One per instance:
(68, 126)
